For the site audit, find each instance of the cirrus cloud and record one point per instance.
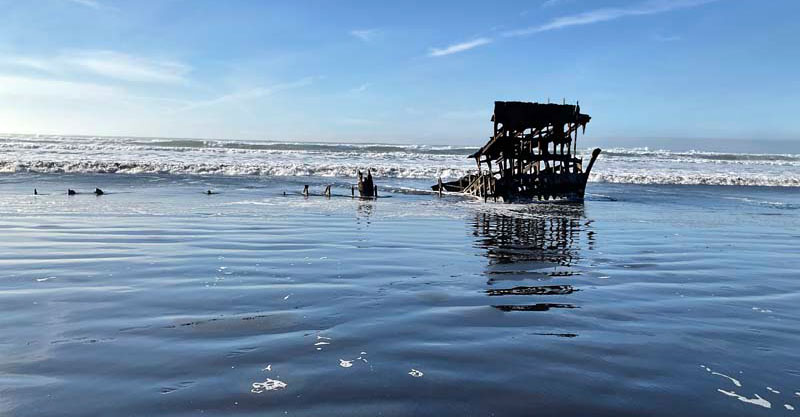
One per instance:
(459, 47)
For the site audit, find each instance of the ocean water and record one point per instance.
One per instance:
(673, 290)
(89, 155)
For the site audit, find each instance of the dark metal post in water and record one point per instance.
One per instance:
(366, 186)
(595, 154)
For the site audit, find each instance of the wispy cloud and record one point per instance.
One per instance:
(50, 89)
(105, 64)
(23, 86)
(27, 62)
(88, 3)
(552, 3)
(247, 94)
(467, 114)
(649, 7)
(361, 88)
(608, 14)
(355, 121)
(128, 67)
(667, 38)
(459, 47)
(366, 35)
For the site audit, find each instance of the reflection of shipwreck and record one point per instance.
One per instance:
(518, 244)
(527, 253)
(531, 155)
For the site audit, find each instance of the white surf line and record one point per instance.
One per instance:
(755, 401)
(734, 380)
(773, 390)
(789, 407)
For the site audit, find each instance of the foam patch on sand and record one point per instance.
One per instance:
(755, 401)
(268, 385)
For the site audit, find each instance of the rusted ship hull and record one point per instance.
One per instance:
(522, 188)
(531, 155)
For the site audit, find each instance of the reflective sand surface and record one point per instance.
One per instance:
(156, 299)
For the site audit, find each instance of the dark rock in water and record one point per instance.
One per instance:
(71, 192)
(98, 191)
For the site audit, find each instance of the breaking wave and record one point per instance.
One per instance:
(216, 146)
(94, 155)
(698, 179)
(323, 170)
(790, 159)
(349, 171)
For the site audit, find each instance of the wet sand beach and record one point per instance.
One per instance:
(157, 299)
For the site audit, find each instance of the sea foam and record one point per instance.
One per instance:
(91, 155)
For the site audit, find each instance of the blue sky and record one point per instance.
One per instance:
(411, 72)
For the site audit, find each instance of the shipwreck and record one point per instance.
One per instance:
(531, 156)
